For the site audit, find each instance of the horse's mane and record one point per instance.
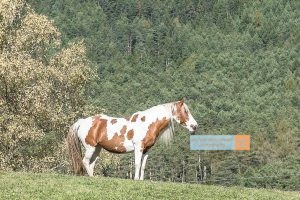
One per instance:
(168, 133)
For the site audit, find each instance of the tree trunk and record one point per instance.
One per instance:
(139, 8)
(129, 44)
(204, 174)
(200, 178)
(183, 172)
(130, 169)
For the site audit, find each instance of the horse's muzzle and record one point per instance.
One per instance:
(194, 127)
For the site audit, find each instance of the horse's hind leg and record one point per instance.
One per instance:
(94, 158)
(90, 158)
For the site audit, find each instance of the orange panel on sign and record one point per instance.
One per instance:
(242, 142)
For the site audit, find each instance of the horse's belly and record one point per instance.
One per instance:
(117, 147)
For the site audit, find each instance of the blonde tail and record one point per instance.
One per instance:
(75, 149)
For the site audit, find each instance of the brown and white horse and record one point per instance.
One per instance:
(122, 135)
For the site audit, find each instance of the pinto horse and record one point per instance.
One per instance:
(137, 134)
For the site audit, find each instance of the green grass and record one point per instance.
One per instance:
(19, 185)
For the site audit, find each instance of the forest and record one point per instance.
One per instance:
(237, 63)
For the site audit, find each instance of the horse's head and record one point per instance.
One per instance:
(182, 115)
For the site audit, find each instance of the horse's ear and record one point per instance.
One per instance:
(182, 101)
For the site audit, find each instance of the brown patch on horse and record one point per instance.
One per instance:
(130, 134)
(98, 135)
(98, 129)
(123, 130)
(181, 113)
(143, 118)
(134, 118)
(115, 144)
(153, 132)
(113, 121)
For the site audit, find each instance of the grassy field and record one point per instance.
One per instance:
(54, 186)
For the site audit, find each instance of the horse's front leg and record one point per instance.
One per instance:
(144, 160)
(138, 153)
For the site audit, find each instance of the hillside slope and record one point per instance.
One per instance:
(55, 186)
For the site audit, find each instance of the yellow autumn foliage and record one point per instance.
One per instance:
(41, 92)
